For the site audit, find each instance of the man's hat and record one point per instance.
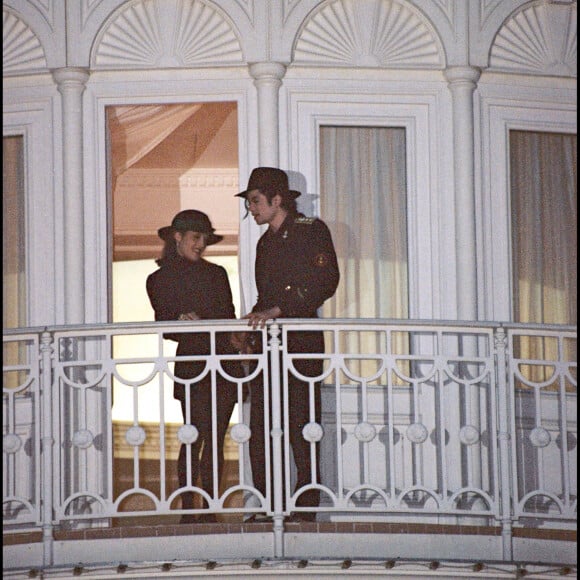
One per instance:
(190, 220)
(269, 179)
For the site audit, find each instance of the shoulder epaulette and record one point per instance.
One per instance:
(304, 220)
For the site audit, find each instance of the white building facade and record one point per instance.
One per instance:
(462, 79)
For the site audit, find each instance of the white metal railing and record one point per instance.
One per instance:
(421, 421)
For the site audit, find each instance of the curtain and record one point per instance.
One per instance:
(363, 201)
(543, 177)
(13, 240)
(13, 255)
(363, 189)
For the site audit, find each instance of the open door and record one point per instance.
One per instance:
(163, 159)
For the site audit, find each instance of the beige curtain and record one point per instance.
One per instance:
(13, 240)
(363, 200)
(13, 255)
(543, 177)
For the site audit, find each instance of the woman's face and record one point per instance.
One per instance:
(191, 245)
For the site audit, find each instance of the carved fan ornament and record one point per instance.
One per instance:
(541, 39)
(368, 33)
(22, 50)
(167, 33)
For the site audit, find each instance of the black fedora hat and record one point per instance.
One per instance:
(269, 179)
(190, 220)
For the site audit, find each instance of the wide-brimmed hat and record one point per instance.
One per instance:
(270, 179)
(190, 220)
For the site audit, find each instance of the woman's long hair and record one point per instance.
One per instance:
(169, 252)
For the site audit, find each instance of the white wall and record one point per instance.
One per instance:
(378, 73)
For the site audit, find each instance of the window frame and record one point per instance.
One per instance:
(426, 164)
(33, 120)
(504, 109)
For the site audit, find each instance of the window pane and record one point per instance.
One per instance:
(363, 200)
(13, 240)
(544, 230)
(363, 194)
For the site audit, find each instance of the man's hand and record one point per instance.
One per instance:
(258, 319)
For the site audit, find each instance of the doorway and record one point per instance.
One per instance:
(163, 159)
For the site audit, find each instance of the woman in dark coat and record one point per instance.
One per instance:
(187, 287)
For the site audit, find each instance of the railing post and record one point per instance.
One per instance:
(276, 433)
(47, 440)
(504, 442)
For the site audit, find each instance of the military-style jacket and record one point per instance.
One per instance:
(296, 267)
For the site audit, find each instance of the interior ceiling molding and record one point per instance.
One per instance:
(144, 180)
(147, 199)
(193, 137)
(167, 34)
(149, 247)
(21, 49)
(368, 33)
(540, 39)
(194, 165)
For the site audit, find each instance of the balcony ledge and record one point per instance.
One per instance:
(320, 546)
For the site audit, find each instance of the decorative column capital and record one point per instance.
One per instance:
(267, 71)
(70, 77)
(462, 75)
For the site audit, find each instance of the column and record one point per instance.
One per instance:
(466, 449)
(268, 79)
(71, 84)
(87, 411)
(462, 82)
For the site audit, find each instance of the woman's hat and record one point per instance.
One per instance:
(270, 179)
(190, 220)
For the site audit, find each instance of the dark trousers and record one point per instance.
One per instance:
(299, 415)
(201, 451)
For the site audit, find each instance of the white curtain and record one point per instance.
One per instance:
(363, 201)
(544, 217)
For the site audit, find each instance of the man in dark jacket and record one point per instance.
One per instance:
(296, 271)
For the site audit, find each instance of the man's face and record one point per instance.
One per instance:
(262, 210)
(191, 245)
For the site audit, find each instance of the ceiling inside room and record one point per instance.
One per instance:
(154, 150)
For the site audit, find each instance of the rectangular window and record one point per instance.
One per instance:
(13, 237)
(363, 190)
(363, 193)
(544, 244)
(164, 158)
(544, 226)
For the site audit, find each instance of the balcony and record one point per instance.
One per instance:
(443, 446)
